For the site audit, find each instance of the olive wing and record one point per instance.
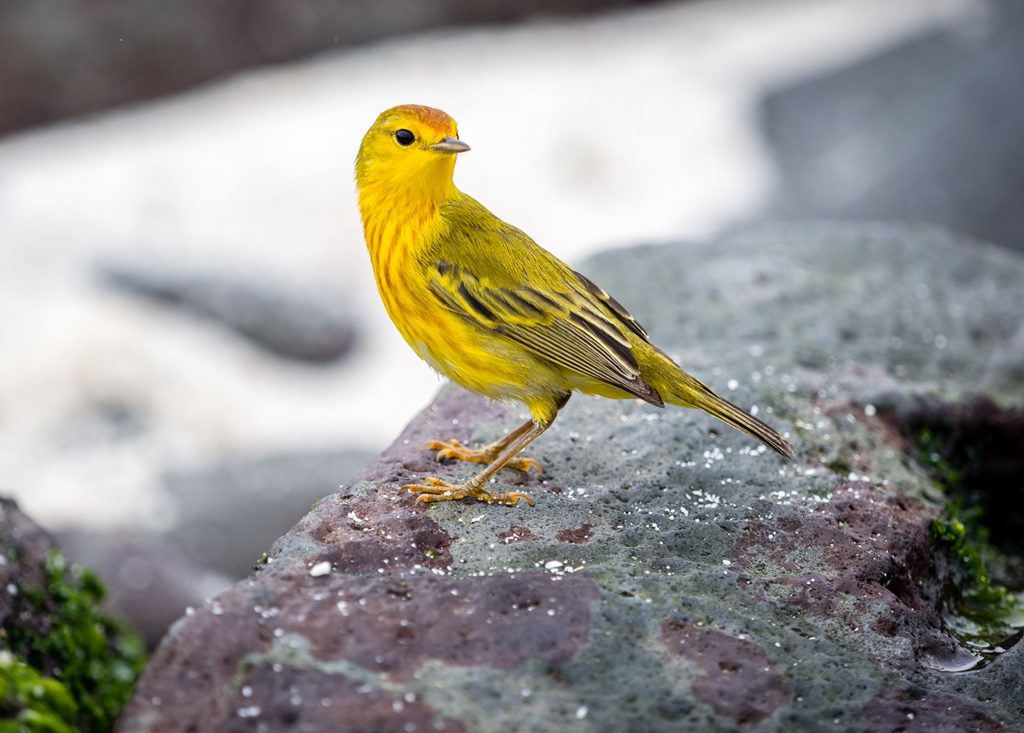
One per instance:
(569, 326)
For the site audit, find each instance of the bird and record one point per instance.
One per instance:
(491, 310)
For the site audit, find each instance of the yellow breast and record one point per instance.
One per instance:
(476, 359)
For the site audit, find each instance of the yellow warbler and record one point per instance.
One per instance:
(487, 307)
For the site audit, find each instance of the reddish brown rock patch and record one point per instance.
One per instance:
(578, 536)
(867, 545)
(177, 688)
(935, 713)
(310, 700)
(498, 621)
(516, 533)
(385, 625)
(736, 679)
(370, 533)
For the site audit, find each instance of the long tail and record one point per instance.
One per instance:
(679, 388)
(730, 414)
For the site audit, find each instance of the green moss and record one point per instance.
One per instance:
(85, 663)
(32, 702)
(981, 613)
(263, 560)
(931, 454)
(838, 466)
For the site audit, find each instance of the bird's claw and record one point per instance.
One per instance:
(455, 450)
(448, 449)
(524, 464)
(436, 489)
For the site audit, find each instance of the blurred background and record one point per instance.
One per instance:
(193, 350)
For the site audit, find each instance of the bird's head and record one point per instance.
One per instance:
(409, 147)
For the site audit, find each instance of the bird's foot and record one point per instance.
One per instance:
(455, 450)
(436, 489)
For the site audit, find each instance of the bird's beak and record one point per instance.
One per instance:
(449, 145)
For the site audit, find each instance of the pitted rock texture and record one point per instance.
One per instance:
(930, 714)
(863, 560)
(673, 575)
(736, 679)
(306, 700)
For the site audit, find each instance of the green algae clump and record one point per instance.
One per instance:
(64, 664)
(979, 612)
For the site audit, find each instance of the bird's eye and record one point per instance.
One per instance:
(404, 137)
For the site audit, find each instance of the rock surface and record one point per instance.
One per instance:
(673, 576)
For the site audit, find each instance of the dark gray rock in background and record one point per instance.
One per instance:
(673, 576)
(151, 580)
(65, 58)
(927, 131)
(23, 547)
(229, 513)
(299, 322)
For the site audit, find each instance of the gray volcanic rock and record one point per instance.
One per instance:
(927, 131)
(304, 323)
(673, 575)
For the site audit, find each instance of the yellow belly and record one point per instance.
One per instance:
(480, 361)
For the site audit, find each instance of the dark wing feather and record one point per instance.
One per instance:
(614, 306)
(568, 328)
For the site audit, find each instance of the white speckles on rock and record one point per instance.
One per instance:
(321, 569)
(252, 711)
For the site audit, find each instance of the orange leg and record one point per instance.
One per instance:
(454, 449)
(497, 455)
